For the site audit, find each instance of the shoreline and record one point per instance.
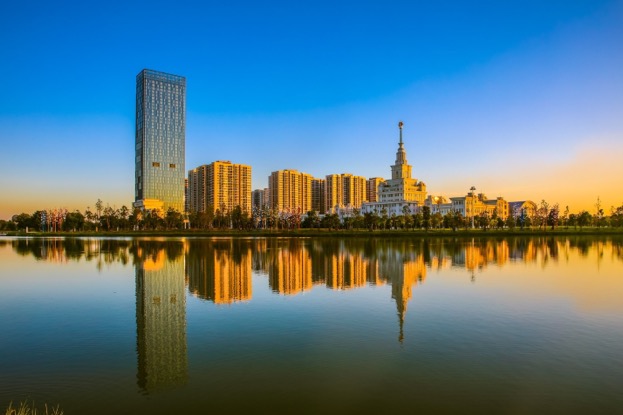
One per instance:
(307, 233)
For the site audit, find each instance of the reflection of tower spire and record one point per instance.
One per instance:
(402, 308)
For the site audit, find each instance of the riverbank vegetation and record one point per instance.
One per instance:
(26, 408)
(265, 221)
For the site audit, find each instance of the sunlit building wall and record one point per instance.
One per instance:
(334, 193)
(290, 190)
(318, 195)
(220, 185)
(354, 190)
(372, 188)
(160, 140)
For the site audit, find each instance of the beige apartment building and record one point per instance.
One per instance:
(318, 195)
(344, 191)
(220, 185)
(372, 188)
(290, 190)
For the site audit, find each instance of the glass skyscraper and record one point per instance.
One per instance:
(160, 140)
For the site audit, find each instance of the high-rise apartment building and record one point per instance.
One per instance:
(372, 188)
(318, 203)
(344, 191)
(353, 190)
(160, 141)
(220, 185)
(259, 198)
(290, 190)
(333, 192)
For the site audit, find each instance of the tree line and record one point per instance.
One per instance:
(109, 218)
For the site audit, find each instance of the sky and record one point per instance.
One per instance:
(521, 99)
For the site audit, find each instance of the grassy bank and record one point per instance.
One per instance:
(26, 408)
(419, 233)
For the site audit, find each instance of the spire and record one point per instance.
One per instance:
(401, 154)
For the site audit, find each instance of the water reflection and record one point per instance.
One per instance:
(160, 317)
(221, 270)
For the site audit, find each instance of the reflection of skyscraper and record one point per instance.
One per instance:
(160, 321)
(160, 140)
(220, 271)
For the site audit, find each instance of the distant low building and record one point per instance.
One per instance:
(527, 207)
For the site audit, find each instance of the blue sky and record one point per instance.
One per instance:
(520, 99)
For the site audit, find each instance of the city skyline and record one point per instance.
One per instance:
(521, 100)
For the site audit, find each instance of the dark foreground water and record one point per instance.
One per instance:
(163, 326)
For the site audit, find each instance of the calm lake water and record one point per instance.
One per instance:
(179, 325)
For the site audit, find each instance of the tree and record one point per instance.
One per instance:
(584, 219)
(542, 213)
(173, 219)
(22, 221)
(426, 217)
(331, 221)
(552, 217)
(312, 220)
(99, 206)
(74, 221)
(565, 216)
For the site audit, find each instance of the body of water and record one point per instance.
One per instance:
(313, 325)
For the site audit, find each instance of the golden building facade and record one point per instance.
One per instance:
(318, 195)
(290, 190)
(220, 185)
(372, 188)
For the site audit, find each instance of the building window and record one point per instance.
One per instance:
(155, 164)
(172, 165)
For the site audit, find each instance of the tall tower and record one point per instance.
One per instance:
(401, 170)
(160, 140)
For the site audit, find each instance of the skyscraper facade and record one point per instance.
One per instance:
(160, 141)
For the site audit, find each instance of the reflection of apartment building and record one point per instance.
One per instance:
(220, 185)
(290, 190)
(345, 271)
(214, 274)
(160, 321)
(290, 271)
